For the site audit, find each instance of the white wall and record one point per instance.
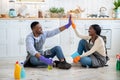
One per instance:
(4, 6)
(90, 6)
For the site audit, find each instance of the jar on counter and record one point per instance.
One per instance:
(47, 14)
(40, 14)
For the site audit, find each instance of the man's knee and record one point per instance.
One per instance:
(86, 61)
(57, 47)
(33, 60)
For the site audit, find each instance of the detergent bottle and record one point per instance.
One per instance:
(23, 73)
(17, 71)
(118, 62)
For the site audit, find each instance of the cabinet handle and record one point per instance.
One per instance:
(21, 20)
(46, 27)
(47, 20)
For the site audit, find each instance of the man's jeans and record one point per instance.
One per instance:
(55, 51)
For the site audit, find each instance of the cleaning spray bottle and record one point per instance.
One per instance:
(118, 62)
(23, 73)
(17, 71)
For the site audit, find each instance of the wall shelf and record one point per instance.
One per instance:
(30, 1)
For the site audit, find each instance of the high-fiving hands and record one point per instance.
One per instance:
(73, 24)
(69, 23)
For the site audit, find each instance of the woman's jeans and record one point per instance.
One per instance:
(55, 51)
(82, 47)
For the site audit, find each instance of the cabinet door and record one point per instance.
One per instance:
(24, 31)
(65, 40)
(74, 40)
(49, 25)
(13, 36)
(115, 47)
(107, 33)
(3, 39)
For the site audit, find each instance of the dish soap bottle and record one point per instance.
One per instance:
(17, 71)
(23, 74)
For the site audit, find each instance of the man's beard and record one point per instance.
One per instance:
(41, 32)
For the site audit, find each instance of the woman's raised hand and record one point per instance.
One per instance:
(73, 24)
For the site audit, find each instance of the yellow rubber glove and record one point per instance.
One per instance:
(76, 59)
(73, 25)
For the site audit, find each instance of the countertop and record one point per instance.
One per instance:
(59, 18)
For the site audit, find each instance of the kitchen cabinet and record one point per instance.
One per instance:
(13, 37)
(68, 39)
(105, 30)
(24, 30)
(115, 44)
(115, 48)
(49, 25)
(13, 34)
(3, 38)
(65, 39)
(80, 26)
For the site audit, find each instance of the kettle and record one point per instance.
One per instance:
(12, 13)
(103, 11)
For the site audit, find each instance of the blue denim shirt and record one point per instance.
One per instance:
(39, 41)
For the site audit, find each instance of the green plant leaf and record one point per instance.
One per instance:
(53, 10)
(56, 10)
(116, 4)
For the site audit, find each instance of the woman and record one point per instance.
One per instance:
(93, 46)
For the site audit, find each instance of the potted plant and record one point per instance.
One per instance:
(53, 12)
(61, 12)
(56, 12)
(117, 8)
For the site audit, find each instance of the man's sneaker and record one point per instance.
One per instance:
(55, 63)
(64, 65)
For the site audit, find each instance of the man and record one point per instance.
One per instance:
(34, 45)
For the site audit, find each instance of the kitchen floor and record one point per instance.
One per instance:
(75, 73)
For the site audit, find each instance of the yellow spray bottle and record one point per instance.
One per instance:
(17, 71)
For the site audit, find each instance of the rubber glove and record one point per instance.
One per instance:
(75, 55)
(46, 60)
(73, 25)
(69, 23)
(76, 59)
